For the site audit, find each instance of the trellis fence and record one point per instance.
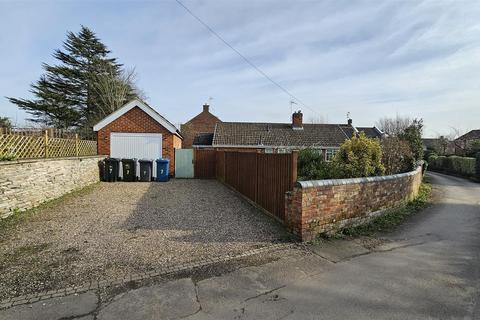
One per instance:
(50, 143)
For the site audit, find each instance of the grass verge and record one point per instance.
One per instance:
(390, 219)
(20, 216)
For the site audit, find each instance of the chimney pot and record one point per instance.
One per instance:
(297, 120)
(206, 107)
(350, 122)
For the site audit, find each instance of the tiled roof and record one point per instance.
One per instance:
(370, 132)
(203, 139)
(471, 135)
(280, 134)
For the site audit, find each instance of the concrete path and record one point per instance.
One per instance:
(428, 269)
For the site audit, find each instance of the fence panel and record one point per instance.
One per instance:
(220, 166)
(22, 146)
(275, 177)
(231, 169)
(205, 164)
(263, 178)
(247, 175)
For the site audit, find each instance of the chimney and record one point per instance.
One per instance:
(350, 122)
(297, 120)
(206, 107)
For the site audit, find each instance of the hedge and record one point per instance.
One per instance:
(458, 165)
(478, 165)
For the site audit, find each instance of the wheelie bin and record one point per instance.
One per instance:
(110, 173)
(145, 170)
(129, 168)
(162, 169)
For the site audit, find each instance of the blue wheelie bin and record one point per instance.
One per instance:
(162, 169)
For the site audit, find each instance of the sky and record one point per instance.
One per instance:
(371, 59)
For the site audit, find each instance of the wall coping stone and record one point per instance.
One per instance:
(13, 162)
(337, 182)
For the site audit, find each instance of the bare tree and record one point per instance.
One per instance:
(394, 126)
(459, 145)
(318, 119)
(114, 90)
(397, 155)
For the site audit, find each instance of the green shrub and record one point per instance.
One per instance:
(477, 166)
(453, 164)
(312, 166)
(413, 135)
(462, 165)
(359, 156)
(473, 148)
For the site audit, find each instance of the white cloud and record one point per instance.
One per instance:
(370, 58)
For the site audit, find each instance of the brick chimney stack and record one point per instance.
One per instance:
(297, 120)
(350, 122)
(206, 107)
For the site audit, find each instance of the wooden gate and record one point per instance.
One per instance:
(184, 163)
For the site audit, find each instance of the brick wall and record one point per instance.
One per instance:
(325, 206)
(25, 184)
(204, 122)
(137, 121)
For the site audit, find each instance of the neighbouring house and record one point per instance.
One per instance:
(282, 137)
(441, 146)
(463, 143)
(203, 124)
(136, 130)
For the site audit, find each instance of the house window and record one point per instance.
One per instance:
(329, 154)
(282, 150)
(268, 150)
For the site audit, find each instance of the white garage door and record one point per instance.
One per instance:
(136, 145)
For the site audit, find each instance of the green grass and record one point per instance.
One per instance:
(390, 219)
(21, 216)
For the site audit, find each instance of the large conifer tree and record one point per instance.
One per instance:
(66, 95)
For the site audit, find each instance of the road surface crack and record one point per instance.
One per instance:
(198, 301)
(265, 293)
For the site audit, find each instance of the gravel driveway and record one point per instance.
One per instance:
(117, 229)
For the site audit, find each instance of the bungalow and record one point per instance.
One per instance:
(281, 137)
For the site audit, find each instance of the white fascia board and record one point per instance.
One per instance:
(129, 106)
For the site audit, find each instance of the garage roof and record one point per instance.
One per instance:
(146, 108)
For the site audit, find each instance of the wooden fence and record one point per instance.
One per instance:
(204, 164)
(262, 178)
(28, 146)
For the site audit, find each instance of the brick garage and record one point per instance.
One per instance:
(325, 206)
(137, 117)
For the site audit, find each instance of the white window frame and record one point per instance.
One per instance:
(330, 154)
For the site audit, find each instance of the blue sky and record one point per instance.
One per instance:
(369, 58)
